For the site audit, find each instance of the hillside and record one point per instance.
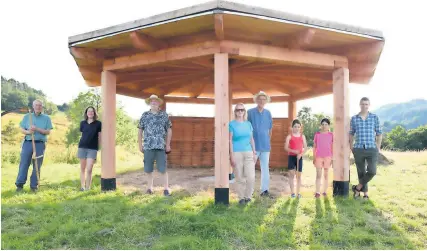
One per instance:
(410, 115)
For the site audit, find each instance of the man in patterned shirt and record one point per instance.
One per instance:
(365, 126)
(154, 129)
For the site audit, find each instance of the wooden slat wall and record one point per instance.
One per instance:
(193, 142)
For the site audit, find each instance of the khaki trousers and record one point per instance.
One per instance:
(245, 174)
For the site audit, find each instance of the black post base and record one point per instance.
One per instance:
(341, 188)
(222, 196)
(108, 184)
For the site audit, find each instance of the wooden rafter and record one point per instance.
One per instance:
(241, 64)
(300, 40)
(198, 90)
(219, 26)
(161, 56)
(278, 54)
(87, 53)
(146, 42)
(356, 51)
(184, 84)
(204, 62)
(253, 90)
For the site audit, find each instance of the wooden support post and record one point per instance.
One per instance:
(108, 149)
(231, 117)
(292, 109)
(222, 154)
(341, 148)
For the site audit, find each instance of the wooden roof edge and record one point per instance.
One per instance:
(221, 6)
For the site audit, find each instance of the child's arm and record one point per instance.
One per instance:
(287, 144)
(305, 145)
(314, 150)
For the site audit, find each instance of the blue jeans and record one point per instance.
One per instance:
(264, 159)
(26, 159)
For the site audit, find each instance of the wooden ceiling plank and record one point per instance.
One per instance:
(301, 39)
(146, 42)
(219, 26)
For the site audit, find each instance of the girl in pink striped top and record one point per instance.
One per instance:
(322, 155)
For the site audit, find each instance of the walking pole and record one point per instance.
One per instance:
(298, 175)
(36, 164)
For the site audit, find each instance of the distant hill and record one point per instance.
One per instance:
(16, 95)
(410, 115)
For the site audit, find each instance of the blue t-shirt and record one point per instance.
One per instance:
(242, 133)
(262, 123)
(40, 121)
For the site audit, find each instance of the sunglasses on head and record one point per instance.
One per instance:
(239, 110)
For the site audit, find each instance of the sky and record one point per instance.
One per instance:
(34, 49)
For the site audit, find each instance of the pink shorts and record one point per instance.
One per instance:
(323, 162)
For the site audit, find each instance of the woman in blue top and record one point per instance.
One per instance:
(242, 154)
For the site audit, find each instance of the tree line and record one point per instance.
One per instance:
(17, 95)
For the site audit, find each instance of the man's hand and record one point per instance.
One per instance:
(168, 148)
(232, 162)
(255, 157)
(141, 149)
(299, 156)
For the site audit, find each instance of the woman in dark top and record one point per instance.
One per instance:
(88, 146)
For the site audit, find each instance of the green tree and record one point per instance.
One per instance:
(126, 132)
(398, 138)
(310, 123)
(417, 138)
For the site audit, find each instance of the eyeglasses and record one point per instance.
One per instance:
(239, 110)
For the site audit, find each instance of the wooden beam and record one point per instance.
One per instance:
(274, 99)
(357, 52)
(278, 54)
(108, 149)
(146, 42)
(189, 100)
(222, 154)
(219, 26)
(247, 85)
(292, 109)
(341, 148)
(198, 90)
(87, 53)
(161, 56)
(301, 39)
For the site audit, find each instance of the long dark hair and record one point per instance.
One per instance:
(95, 115)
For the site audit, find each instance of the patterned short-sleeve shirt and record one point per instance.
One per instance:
(365, 130)
(155, 127)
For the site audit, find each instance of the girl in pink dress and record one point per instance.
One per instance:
(322, 155)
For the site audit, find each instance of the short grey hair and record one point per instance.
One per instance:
(38, 100)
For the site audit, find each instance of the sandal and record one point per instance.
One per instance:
(366, 197)
(355, 190)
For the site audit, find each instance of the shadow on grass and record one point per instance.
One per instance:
(60, 217)
(354, 224)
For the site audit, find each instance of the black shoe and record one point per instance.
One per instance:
(19, 189)
(34, 190)
(247, 200)
(265, 193)
(149, 191)
(166, 193)
(242, 202)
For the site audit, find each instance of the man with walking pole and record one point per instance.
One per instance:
(35, 126)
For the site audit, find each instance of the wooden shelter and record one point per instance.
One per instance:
(223, 53)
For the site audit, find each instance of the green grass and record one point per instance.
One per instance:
(60, 217)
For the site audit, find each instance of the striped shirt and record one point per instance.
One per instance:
(365, 130)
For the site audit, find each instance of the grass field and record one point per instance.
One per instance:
(60, 217)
